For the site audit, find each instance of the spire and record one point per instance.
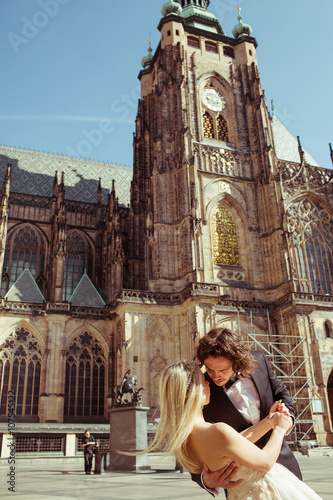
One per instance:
(55, 185)
(241, 29)
(6, 183)
(99, 192)
(331, 151)
(5, 193)
(171, 7)
(300, 150)
(145, 62)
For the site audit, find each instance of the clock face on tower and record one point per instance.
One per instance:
(213, 99)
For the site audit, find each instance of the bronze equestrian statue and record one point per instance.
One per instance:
(128, 387)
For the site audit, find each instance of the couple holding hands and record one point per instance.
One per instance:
(226, 424)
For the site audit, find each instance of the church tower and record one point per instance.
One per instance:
(211, 225)
(205, 193)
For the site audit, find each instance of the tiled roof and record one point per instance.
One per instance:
(286, 144)
(33, 173)
(25, 289)
(86, 295)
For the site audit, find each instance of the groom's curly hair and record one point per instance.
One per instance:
(224, 342)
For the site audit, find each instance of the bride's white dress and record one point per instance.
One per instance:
(277, 484)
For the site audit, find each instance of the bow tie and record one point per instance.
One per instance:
(230, 382)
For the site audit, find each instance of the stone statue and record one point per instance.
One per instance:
(127, 386)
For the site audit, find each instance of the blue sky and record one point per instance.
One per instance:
(69, 66)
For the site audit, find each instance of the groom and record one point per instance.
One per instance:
(243, 387)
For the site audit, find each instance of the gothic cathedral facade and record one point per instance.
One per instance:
(218, 224)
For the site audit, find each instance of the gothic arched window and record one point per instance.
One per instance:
(222, 129)
(25, 248)
(20, 371)
(208, 125)
(78, 258)
(328, 330)
(311, 246)
(215, 127)
(225, 240)
(85, 378)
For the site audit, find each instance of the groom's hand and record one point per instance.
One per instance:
(280, 407)
(221, 478)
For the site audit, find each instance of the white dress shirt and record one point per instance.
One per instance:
(244, 396)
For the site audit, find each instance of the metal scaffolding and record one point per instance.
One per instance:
(287, 355)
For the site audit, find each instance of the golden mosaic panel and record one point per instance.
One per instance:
(225, 241)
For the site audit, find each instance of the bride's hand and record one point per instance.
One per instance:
(279, 420)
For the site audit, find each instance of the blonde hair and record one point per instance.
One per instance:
(181, 400)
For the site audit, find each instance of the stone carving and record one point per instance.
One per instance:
(127, 386)
(302, 177)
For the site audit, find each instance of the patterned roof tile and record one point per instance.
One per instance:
(33, 173)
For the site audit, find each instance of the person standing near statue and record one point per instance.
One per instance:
(88, 442)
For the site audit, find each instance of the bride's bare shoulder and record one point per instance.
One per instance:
(221, 430)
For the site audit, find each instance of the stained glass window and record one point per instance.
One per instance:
(225, 241)
(311, 246)
(20, 371)
(25, 249)
(85, 378)
(78, 258)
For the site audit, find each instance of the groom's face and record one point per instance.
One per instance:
(219, 369)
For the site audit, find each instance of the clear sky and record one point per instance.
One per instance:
(69, 65)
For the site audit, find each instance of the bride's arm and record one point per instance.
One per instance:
(258, 430)
(243, 452)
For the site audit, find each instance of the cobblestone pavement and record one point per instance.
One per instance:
(33, 482)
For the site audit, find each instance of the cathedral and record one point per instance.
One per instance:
(224, 220)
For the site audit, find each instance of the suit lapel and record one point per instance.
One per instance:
(221, 409)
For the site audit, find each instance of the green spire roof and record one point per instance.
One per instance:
(145, 62)
(241, 29)
(195, 14)
(171, 7)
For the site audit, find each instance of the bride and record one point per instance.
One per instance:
(183, 431)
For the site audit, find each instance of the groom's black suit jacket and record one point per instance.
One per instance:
(270, 389)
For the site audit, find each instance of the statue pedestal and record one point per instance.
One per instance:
(128, 432)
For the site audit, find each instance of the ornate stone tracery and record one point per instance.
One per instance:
(85, 377)
(302, 177)
(311, 245)
(78, 257)
(26, 247)
(20, 372)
